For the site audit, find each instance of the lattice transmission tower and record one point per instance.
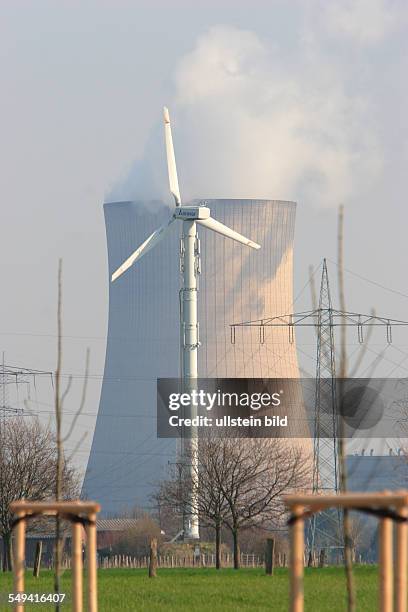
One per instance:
(324, 530)
(326, 527)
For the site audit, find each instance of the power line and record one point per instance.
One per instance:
(368, 280)
(12, 375)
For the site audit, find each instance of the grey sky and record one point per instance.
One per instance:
(300, 100)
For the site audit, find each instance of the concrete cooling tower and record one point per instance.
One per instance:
(237, 284)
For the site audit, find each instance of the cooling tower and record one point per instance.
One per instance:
(236, 284)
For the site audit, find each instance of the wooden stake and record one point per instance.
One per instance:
(316, 503)
(91, 558)
(401, 564)
(52, 508)
(153, 558)
(37, 560)
(297, 561)
(385, 562)
(269, 556)
(77, 586)
(19, 555)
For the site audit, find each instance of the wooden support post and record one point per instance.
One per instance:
(77, 567)
(385, 563)
(297, 561)
(401, 564)
(37, 559)
(153, 558)
(269, 556)
(91, 559)
(19, 555)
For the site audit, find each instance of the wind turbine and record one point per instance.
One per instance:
(190, 253)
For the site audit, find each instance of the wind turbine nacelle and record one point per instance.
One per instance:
(191, 213)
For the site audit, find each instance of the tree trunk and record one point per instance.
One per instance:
(7, 552)
(218, 546)
(236, 548)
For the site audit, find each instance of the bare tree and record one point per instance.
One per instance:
(241, 483)
(28, 462)
(60, 397)
(212, 507)
(253, 477)
(361, 532)
(348, 544)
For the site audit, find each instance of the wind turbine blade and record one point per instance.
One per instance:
(171, 158)
(222, 229)
(144, 248)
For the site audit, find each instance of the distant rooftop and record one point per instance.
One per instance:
(102, 525)
(116, 524)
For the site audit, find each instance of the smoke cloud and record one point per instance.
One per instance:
(255, 119)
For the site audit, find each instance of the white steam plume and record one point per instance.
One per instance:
(254, 119)
(253, 124)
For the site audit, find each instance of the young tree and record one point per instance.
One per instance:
(60, 466)
(343, 373)
(28, 461)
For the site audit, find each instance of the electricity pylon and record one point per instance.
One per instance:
(324, 530)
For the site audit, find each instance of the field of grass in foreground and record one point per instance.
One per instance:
(130, 590)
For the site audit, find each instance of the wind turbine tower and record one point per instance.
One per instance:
(189, 332)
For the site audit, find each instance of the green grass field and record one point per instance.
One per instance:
(131, 590)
